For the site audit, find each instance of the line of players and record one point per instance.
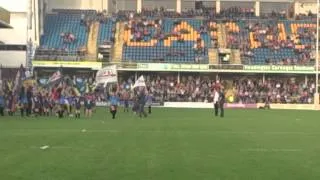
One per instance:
(39, 105)
(46, 105)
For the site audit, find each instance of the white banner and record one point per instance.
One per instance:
(55, 77)
(140, 82)
(107, 74)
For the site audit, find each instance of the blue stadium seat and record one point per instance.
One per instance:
(261, 54)
(178, 52)
(63, 23)
(105, 31)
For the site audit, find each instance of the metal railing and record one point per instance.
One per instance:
(61, 55)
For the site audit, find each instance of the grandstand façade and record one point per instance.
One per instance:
(216, 39)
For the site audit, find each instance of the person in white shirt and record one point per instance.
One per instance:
(216, 101)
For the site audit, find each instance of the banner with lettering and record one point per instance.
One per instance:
(171, 67)
(107, 74)
(278, 68)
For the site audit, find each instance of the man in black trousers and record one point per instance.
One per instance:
(142, 102)
(29, 101)
(218, 101)
(222, 100)
(216, 96)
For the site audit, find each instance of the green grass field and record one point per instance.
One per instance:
(187, 144)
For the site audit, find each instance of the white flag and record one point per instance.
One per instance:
(140, 82)
(107, 75)
(55, 78)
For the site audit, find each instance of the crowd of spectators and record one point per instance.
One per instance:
(125, 15)
(265, 32)
(277, 90)
(233, 35)
(195, 88)
(208, 12)
(266, 35)
(246, 90)
(68, 37)
(237, 13)
(143, 29)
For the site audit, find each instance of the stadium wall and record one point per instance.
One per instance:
(12, 59)
(17, 35)
(268, 7)
(77, 4)
(204, 105)
(166, 4)
(24, 18)
(126, 5)
(305, 7)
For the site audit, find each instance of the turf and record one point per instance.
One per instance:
(183, 144)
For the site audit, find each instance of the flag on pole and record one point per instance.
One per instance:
(1, 72)
(140, 82)
(55, 78)
(1, 78)
(20, 77)
(107, 74)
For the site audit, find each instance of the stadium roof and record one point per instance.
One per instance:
(4, 18)
(243, 0)
(4, 25)
(306, 1)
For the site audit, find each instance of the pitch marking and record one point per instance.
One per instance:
(270, 150)
(24, 131)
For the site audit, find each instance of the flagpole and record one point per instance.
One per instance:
(316, 96)
(1, 72)
(0, 78)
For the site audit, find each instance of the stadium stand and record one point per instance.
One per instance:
(64, 29)
(167, 40)
(67, 31)
(106, 30)
(65, 34)
(189, 37)
(277, 41)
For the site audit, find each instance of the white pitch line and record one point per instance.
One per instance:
(25, 131)
(242, 150)
(270, 150)
(292, 132)
(51, 147)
